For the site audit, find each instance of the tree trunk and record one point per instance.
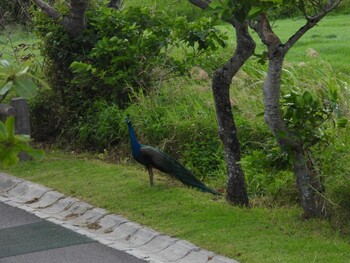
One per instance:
(203, 4)
(307, 179)
(309, 186)
(236, 186)
(74, 22)
(116, 4)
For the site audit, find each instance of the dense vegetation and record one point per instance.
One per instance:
(177, 114)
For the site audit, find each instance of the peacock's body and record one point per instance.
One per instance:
(151, 158)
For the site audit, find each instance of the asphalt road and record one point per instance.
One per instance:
(25, 238)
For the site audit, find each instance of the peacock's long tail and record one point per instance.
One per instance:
(177, 170)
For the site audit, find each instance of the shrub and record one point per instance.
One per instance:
(14, 12)
(119, 53)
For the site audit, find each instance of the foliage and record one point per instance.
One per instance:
(241, 10)
(14, 12)
(121, 51)
(102, 128)
(11, 145)
(134, 46)
(306, 111)
(18, 78)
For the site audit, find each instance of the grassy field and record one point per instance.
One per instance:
(259, 234)
(329, 38)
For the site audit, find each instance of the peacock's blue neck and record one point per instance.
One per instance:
(135, 146)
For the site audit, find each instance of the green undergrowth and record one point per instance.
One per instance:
(258, 234)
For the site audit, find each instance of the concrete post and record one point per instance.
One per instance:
(22, 121)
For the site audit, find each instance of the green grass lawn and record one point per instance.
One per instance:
(258, 234)
(330, 38)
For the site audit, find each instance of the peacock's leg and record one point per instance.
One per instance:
(150, 172)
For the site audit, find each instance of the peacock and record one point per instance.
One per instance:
(151, 158)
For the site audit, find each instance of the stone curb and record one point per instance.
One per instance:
(112, 230)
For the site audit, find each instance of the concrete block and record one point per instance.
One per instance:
(30, 195)
(176, 251)
(103, 241)
(200, 256)
(4, 199)
(60, 206)
(17, 190)
(8, 182)
(41, 214)
(157, 244)
(74, 211)
(48, 199)
(123, 231)
(139, 238)
(12, 203)
(109, 222)
(27, 208)
(89, 218)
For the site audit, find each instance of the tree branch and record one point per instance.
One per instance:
(203, 4)
(262, 27)
(311, 22)
(47, 9)
(74, 22)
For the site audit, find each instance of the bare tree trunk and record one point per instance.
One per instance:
(236, 186)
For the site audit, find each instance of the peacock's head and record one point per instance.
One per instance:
(127, 119)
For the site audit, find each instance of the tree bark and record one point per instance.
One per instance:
(203, 4)
(307, 180)
(116, 4)
(309, 186)
(74, 22)
(236, 186)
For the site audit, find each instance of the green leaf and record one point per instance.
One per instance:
(307, 97)
(254, 11)
(22, 72)
(215, 5)
(10, 158)
(25, 88)
(300, 101)
(6, 87)
(4, 63)
(3, 131)
(10, 128)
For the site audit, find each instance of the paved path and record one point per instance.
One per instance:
(56, 228)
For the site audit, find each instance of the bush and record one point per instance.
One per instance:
(103, 126)
(119, 53)
(14, 12)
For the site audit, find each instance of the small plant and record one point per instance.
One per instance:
(20, 80)
(306, 111)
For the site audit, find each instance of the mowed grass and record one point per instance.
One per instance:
(256, 234)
